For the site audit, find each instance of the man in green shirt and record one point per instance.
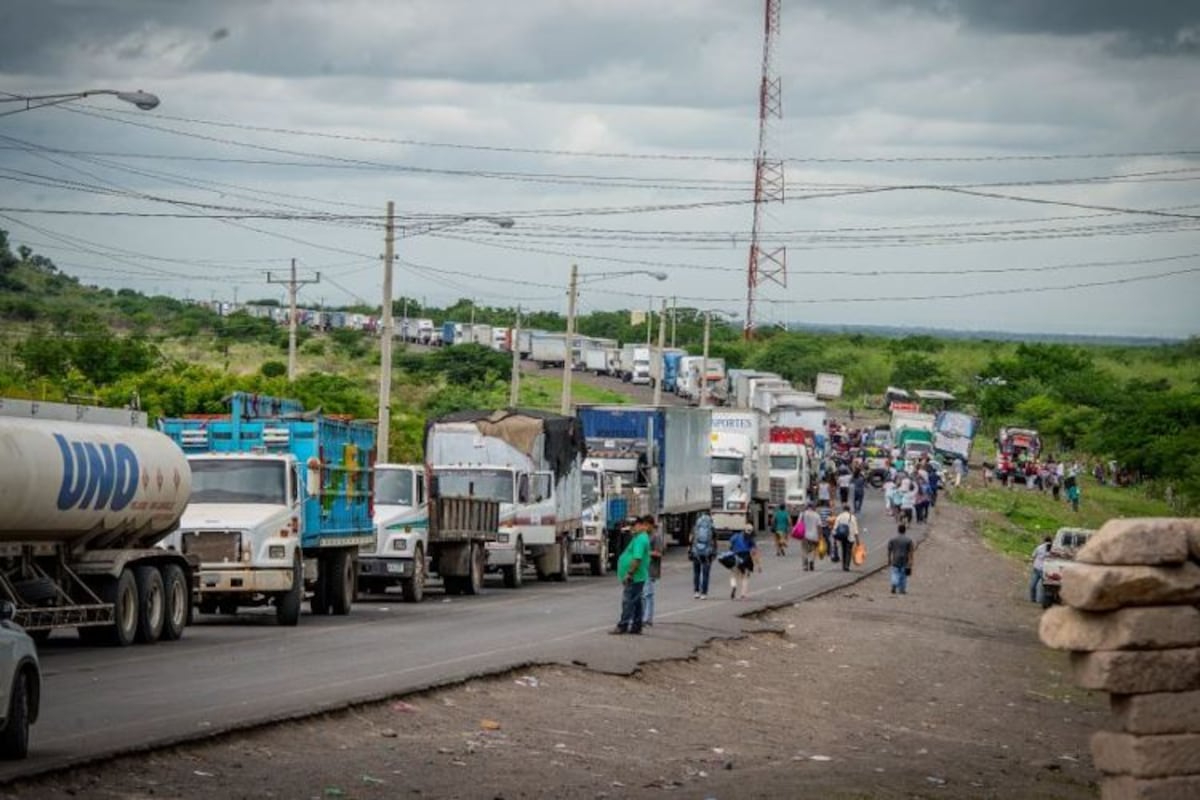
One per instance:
(633, 569)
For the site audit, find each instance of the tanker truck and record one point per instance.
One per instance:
(85, 496)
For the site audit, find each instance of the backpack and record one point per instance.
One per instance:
(702, 542)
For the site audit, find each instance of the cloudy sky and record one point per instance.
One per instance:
(943, 158)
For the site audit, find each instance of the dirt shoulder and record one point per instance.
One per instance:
(944, 692)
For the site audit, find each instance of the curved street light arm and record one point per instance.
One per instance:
(143, 100)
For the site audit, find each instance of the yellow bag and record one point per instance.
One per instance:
(822, 550)
(860, 553)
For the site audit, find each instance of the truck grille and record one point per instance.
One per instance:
(214, 547)
(778, 491)
(718, 497)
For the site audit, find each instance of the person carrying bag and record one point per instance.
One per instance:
(701, 552)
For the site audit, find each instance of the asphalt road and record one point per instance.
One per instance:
(235, 672)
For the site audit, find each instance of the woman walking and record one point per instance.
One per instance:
(745, 549)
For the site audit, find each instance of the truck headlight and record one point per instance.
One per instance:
(399, 545)
(502, 538)
(276, 551)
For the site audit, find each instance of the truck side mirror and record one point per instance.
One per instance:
(312, 484)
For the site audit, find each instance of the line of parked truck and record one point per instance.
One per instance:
(122, 531)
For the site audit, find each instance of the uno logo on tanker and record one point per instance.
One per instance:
(106, 473)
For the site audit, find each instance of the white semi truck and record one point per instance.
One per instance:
(740, 469)
(86, 495)
(590, 546)
(530, 462)
(397, 557)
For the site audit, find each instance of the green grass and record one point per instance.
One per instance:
(1015, 520)
(546, 392)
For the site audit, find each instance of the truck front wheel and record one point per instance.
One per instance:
(342, 573)
(514, 574)
(287, 605)
(473, 583)
(599, 563)
(413, 589)
(564, 561)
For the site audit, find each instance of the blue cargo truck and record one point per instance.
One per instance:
(281, 502)
(658, 458)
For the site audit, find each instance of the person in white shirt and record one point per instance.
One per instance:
(1039, 563)
(845, 532)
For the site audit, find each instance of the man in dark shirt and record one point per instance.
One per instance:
(900, 558)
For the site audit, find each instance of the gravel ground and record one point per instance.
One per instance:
(944, 692)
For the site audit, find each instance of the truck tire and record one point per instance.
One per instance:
(152, 604)
(564, 562)
(343, 573)
(122, 593)
(319, 602)
(473, 582)
(36, 591)
(599, 563)
(514, 575)
(14, 741)
(178, 597)
(413, 589)
(287, 605)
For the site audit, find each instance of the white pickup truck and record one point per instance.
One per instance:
(1066, 544)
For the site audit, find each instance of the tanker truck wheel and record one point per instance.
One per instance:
(343, 573)
(179, 602)
(122, 593)
(151, 607)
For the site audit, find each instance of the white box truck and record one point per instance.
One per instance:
(548, 349)
(740, 469)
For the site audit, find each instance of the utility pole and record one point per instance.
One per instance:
(385, 341)
(293, 287)
(572, 291)
(514, 390)
(674, 312)
(704, 360)
(658, 357)
(649, 320)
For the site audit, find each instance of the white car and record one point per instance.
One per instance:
(20, 685)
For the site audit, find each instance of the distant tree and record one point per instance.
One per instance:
(44, 355)
(273, 369)
(916, 370)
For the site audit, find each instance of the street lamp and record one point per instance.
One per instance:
(572, 295)
(703, 390)
(387, 324)
(143, 100)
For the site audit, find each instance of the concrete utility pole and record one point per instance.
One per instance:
(514, 389)
(293, 285)
(674, 312)
(385, 340)
(658, 357)
(704, 361)
(572, 291)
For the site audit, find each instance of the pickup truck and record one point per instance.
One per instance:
(1062, 551)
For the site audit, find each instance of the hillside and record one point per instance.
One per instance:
(1138, 405)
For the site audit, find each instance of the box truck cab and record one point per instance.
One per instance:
(740, 469)
(791, 467)
(590, 546)
(401, 534)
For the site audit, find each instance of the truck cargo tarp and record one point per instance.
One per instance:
(519, 428)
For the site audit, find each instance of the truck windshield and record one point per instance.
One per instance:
(790, 463)
(393, 487)
(488, 484)
(231, 480)
(591, 487)
(726, 465)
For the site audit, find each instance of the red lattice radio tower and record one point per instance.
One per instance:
(766, 264)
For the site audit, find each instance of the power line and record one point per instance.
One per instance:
(983, 158)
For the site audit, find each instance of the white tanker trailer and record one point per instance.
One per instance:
(85, 495)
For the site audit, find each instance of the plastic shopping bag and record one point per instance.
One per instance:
(821, 549)
(860, 553)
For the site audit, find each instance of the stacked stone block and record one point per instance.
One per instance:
(1131, 620)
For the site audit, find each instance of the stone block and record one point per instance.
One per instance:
(1125, 787)
(1150, 541)
(1146, 756)
(1138, 671)
(1134, 628)
(1092, 587)
(1162, 712)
